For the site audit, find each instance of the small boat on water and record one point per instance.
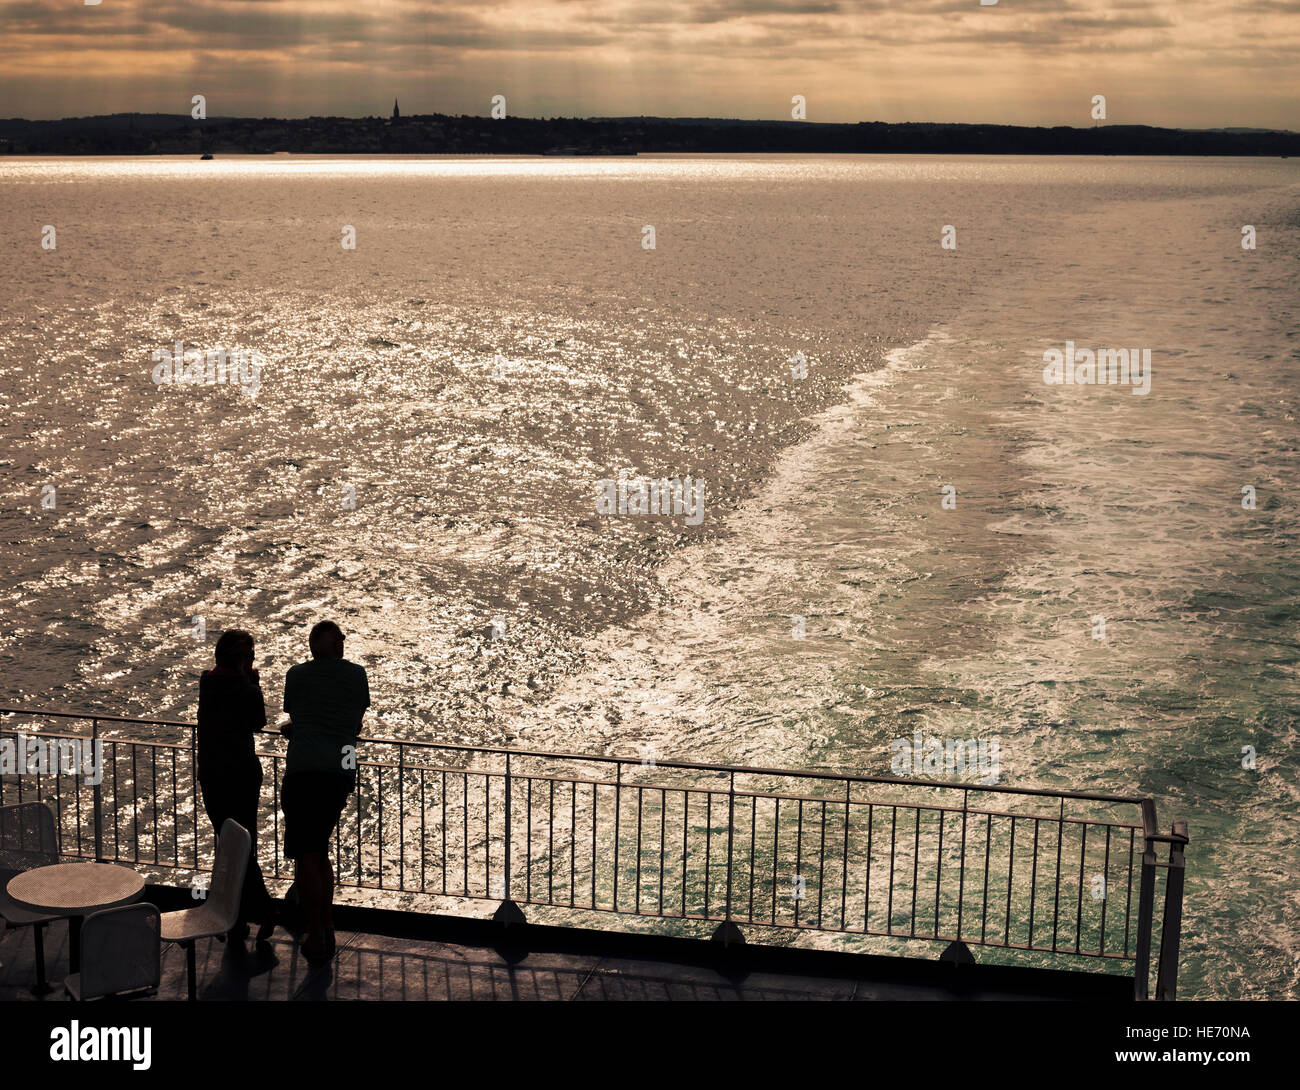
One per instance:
(205, 156)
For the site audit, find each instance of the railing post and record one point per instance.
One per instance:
(1146, 898)
(197, 793)
(731, 829)
(618, 815)
(1171, 929)
(98, 796)
(508, 826)
(727, 933)
(508, 912)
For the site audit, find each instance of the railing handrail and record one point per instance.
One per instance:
(96, 715)
(1145, 802)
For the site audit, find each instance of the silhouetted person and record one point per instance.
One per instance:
(325, 699)
(231, 713)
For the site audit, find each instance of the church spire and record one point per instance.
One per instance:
(397, 114)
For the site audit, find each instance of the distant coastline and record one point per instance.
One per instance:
(168, 134)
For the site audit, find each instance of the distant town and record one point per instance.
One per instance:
(169, 134)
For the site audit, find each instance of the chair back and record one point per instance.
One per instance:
(27, 836)
(233, 846)
(121, 951)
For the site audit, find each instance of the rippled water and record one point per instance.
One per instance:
(499, 341)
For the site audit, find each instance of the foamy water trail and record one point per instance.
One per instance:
(1097, 598)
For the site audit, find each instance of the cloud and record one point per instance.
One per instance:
(637, 56)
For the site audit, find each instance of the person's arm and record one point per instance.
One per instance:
(363, 694)
(286, 729)
(255, 714)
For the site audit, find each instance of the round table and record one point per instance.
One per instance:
(75, 890)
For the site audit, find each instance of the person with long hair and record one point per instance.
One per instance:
(232, 712)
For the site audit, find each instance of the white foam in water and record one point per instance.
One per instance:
(1080, 511)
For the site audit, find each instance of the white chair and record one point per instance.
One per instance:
(220, 910)
(27, 840)
(120, 954)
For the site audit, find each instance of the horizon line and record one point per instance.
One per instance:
(647, 117)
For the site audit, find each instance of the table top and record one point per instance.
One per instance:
(75, 888)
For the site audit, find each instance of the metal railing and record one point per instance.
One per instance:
(1017, 869)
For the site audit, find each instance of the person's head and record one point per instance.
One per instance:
(234, 649)
(326, 641)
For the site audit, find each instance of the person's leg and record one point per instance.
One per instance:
(293, 803)
(314, 893)
(314, 837)
(341, 790)
(216, 804)
(327, 900)
(221, 801)
(245, 813)
(312, 807)
(255, 903)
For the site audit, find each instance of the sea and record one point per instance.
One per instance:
(454, 375)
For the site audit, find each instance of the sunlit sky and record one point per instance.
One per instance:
(1194, 63)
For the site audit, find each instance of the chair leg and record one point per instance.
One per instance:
(42, 985)
(191, 965)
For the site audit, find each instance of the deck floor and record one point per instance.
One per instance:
(378, 967)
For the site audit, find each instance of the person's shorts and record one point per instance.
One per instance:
(312, 803)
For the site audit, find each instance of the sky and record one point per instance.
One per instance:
(1189, 63)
